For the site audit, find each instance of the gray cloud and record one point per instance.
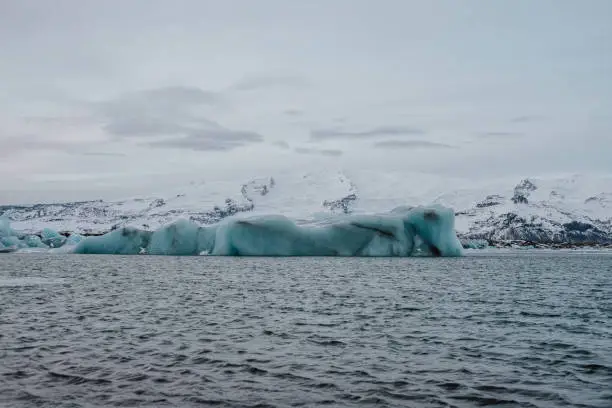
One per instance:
(143, 127)
(56, 54)
(526, 118)
(171, 96)
(210, 140)
(322, 152)
(252, 83)
(282, 144)
(381, 131)
(156, 112)
(293, 112)
(171, 116)
(407, 144)
(29, 143)
(103, 154)
(499, 134)
(60, 121)
(17, 144)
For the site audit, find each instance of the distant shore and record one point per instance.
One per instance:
(519, 244)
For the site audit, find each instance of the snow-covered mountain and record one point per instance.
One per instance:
(574, 210)
(569, 209)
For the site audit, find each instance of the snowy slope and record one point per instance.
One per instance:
(571, 209)
(575, 208)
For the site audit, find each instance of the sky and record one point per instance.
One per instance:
(106, 99)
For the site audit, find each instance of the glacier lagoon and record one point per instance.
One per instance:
(511, 329)
(404, 231)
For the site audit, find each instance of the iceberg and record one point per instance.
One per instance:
(34, 241)
(279, 236)
(5, 228)
(9, 241)
(385, 235)
(74, 239)
(122, 241)
(180, 238)
(52, 238)
(405, 231)
(12, 241)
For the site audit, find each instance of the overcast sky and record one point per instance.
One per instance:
(104, 98)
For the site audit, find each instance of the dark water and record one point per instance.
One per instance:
(529, 330)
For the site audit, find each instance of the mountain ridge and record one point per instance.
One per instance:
(573, 210)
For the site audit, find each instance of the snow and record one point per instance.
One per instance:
(554, 202)
(313, 198)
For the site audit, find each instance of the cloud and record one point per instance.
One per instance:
(293, 112)
(59, 121)
(155, 112)
(140, 126)
(282, 144)
(381, 131)
(409, 144)
(170, 96)
(526, 118)
(499, 134)
(13, 145)
(103, 154)
(256, 82)
(17, 144)
(322, 152)
(172, 117)
(211, 140)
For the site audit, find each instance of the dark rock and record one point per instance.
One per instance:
(343, 204)
(522, 191)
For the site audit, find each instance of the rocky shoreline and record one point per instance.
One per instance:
(520, 244)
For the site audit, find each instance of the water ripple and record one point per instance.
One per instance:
(533, 330)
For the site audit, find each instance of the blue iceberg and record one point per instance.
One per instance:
(11, 240)
(402, 232)
(122, 241)
(5, 228)
(52, 238)
(73, 239)
(34, 241)
(405, 231)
